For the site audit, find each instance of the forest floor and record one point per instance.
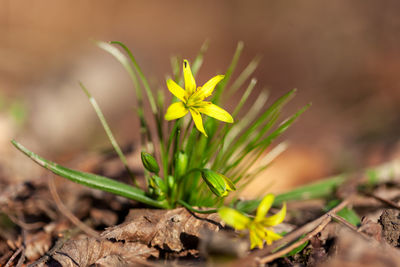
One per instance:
(48, 221)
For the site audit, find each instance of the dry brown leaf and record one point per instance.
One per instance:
(102, 216)
(88, 251)
(172, 230)
(112, 260)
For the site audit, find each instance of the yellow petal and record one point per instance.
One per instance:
(175, 111)
(234, 218)
(215, 112)
(198, 121)
(176, 90)
(229, 185)
(190, 83)
(276, 218)
(264, 206)
(260, 230)
(256, 239)
(271, 236)
(207, 89)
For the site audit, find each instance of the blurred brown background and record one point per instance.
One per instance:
(342, 55)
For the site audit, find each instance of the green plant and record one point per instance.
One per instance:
(185, 164)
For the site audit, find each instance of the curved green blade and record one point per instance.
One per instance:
(93, 180)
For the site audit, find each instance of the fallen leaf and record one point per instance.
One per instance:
(88, 251)
(172, 230)
(102, 216)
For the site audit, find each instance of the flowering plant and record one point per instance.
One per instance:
(194, 165)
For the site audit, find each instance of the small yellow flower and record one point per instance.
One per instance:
(259, 227)
(192, 100)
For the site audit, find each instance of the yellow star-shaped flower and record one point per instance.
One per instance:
(192, 100)
(259, 227)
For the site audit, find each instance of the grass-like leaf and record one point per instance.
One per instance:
(142, 77)
(93, 180)
(108, 132)
(221, 86)
(118, 55)
(244, 75)
(315, 190)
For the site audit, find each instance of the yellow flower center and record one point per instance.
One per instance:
(193, 101)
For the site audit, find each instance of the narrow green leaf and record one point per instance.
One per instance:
(346, 213)
(250, 116)
(283, 127)
(315, 190)
(244, 97)
(298, 249)
(93, 180)
(222, 85)
(144, 128)
(247, 206)
(141, 76)
(245, 136)
(198, 61)
(176, 69)
(125, 63)
(108, 132)
(246, 73)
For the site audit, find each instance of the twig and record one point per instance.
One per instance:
(6, 256)
(20, 250)
(24, 225)
(16, 253)
(344, 222)
(21, 259)
(65, 211)
(383, 200)
(294, 245)
(304, 229)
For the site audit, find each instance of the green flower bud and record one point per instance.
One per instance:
(150, 163)
(170, 181)
(181, 163)
(219, 184)
(159, 183)
(157, 187)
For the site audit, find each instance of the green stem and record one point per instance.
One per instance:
(186, 205)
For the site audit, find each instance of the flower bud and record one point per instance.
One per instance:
(150, 163)
(157, 187)
(219, 184)
(181, 163)
(170, 181)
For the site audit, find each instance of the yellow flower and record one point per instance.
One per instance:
(192, 100)
(259, 227)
